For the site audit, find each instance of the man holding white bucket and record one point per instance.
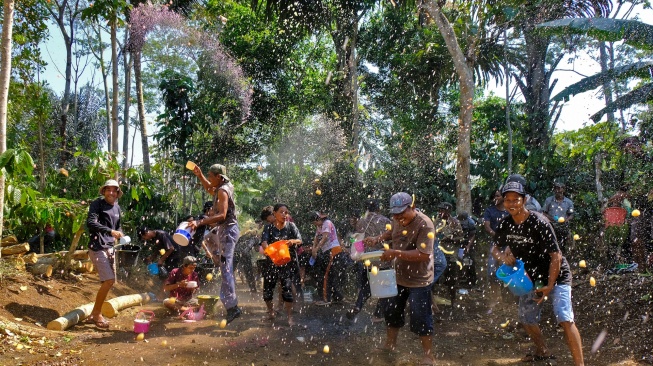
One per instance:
(222, 239)
(412, 236)
(529, 237)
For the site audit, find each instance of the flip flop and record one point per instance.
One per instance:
(102, 324)
(536, 358)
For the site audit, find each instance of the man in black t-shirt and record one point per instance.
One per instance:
(529, 237)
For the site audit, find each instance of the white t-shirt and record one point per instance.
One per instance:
(330, 230)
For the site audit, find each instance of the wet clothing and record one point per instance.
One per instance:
(494, 216)
(421, 315)
(101, 220)
(182, 294)
(414, 274)
(372, 224)
(243, 256)
(532, 242)
(555, 209)
(285, 273)
(452, 235)
(163, 240)
(330, 230)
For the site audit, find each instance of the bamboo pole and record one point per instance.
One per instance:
(71, 318)
(110, 308)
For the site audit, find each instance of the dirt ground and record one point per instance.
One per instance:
(464, 334)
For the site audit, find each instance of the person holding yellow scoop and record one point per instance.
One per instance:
(414, 266)
(529, 237)
(221, 240)
(559, 210)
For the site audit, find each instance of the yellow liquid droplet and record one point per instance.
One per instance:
(423, 245)
(318, 192)
(325, 349)
(592, 282)
(388, 227)
(162, 251)
(576, 237)
(561, 219)
(404, 232)
(582, 264)
(367, 263)
(375, 270)
(386, 246)
(223, 323)
(164, 343)
(430, 235)
(635, 213)
(209, 276)
(140, 336)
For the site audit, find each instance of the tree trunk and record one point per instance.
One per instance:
(536, 92)
(105, 75)
(5, 77)
(127, 62)
(464, 69)
(68, 259)
(115, 86)
(607, 87)
(508, 124)
(141, 111)
(41, 269)
(598, 159)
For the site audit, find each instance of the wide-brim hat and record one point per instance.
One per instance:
(110, 183)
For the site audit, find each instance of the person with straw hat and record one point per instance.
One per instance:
(104, 229)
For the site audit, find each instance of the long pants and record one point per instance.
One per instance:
(364, 291)
(227, 236)
(330, 274)
(243, 260)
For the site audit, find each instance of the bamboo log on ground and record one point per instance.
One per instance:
(31, 258)
(53, 261)
(110, 308)
(23, 330)
(86, 267)
(71, 318)
(9, 240)
(41, 269)
(16, 262)
(15, 249)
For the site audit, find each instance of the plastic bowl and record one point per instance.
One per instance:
(191, 284)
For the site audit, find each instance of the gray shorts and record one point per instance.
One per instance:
(104, 262)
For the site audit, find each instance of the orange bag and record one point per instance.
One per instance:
(278, 252)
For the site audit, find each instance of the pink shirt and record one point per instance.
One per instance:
(330, 230)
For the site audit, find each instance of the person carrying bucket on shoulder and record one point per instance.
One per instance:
(528, 236)
(222, 239)
(411, 237)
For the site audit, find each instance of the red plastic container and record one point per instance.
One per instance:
(614, 216)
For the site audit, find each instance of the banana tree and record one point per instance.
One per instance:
(634, 33)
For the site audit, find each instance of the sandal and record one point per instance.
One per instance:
(100, 323)
(535, 358)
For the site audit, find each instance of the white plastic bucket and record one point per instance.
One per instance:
(384, 283)
(183, 234)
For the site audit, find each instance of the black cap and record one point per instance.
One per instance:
(516, 178)
(513, 187)
(207, 205)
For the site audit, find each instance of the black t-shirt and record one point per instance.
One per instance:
(272, 234)
(532, 242)
(102, 218)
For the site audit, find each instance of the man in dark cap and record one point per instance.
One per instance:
(560, 210)
(531, 203)
(411, 246)
(528, 236)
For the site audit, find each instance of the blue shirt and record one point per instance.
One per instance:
(494, 216)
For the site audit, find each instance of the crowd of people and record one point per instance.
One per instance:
(421, 250)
